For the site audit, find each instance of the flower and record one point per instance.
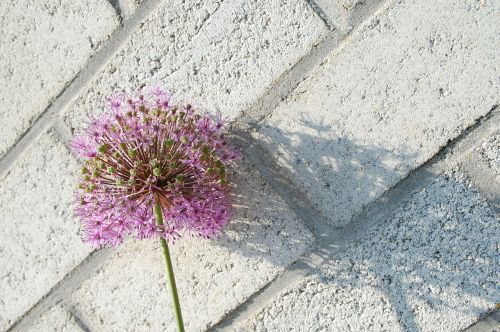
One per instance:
(143, 152)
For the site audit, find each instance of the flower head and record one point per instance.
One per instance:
(145, 151)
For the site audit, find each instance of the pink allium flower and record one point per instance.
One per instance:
(145, 151)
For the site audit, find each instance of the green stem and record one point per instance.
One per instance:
(170, 271)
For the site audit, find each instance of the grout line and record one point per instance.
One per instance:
(49, 117)
(62, 289)
(279, 182)
(454, 151)
(443, 160)
(481, 176)
(468, 139)
(63, 132)
(321, 14)
(290, 79)
(38, 128)
(264, 105)
(477, 169)
(74, 87)
(79, 318)
(335, 41)
(365, 9)
(343, 18)
(334, 240)
(272, 289)
(117, 6)
(489, 323)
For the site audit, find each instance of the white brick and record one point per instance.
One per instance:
(43, 45)
(55, 320)
(223, 55)
(433, 266)
(409, 81)
(39, 242)
(344, 15)
(129, 293)
(489, 151)
(128, 8)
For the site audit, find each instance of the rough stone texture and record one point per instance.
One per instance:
(221, 54)
(55, 320)
(344, 15)
(127, 8)
(39, 241)
(129, 294)
(380, 105)
(433, 266)
(408, 81)
(490, 152)
(490, 323)
(43, 45)
(349, 4)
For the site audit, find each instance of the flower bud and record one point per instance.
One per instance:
(154, 162)
(103, 148)
(205, 149)
(169, 142)
(156, 171)
(132, 153)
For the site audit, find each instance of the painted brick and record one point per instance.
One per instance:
(56, 320)
(39, 242)
(213, 277)
(411, 79)
(218, 55)
(44, 44)
(432, 266)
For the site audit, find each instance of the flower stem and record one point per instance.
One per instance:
(170, 271)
